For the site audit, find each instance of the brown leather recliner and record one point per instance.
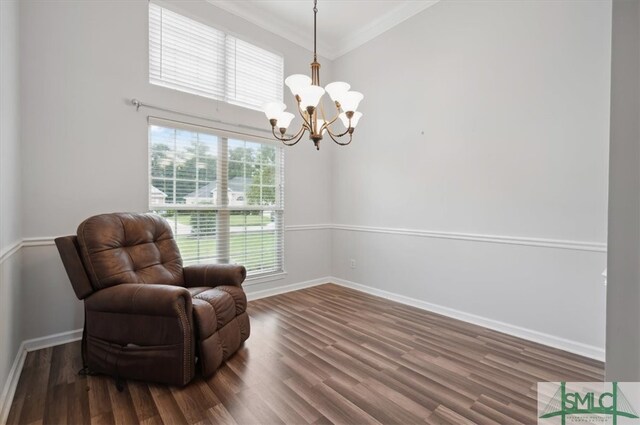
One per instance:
(146, 316)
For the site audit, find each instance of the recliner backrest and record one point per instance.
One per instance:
(129, 248)
(70, 255)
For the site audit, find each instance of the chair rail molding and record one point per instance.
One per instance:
(303, 227)
(11, 249)
(475, 237)
(472, 237)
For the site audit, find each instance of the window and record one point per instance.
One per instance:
(195, 58)
(222, 195)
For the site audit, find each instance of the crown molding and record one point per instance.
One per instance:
(353, 39)
(272, 24)
(379, 26)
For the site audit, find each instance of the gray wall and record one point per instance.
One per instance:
(484, 141)
(10, 188)
(623, 291)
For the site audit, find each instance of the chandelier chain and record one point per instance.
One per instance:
(315, 37)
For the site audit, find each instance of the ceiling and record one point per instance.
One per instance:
(343, 25)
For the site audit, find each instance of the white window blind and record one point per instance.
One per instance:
(222, 195)
(195, 58)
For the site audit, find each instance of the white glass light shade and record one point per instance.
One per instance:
(273, 109)
(350, 101)
(297, 82)
(284, 119)
(354, 119)
(310, 96)
(337, 90)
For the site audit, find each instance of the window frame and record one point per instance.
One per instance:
(278, 209)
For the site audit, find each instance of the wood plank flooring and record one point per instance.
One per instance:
(321, 355)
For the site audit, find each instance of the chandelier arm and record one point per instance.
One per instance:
(302, 131)
(336, 140)
(328, 123)
(336, 135)
(308, 123)
(287, 139)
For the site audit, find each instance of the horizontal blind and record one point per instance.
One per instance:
(189, 56)
(223, 197)
(254, 75)
(185, 54)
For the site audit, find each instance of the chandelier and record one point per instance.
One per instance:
(308, 94)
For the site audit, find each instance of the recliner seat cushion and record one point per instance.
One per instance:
(129, 248)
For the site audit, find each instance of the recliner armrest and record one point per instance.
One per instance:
(141, 298)
(214, 275)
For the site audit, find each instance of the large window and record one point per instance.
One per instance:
(222, 195)
(195, 58)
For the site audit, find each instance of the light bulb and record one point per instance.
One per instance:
(297, 82)
(284, 119)
(337, 90)
(354, 119)
(350, 101)
(273, 109)
(310, 96)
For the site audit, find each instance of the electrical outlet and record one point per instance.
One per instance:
(352, 263)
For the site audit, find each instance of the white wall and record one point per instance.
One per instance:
(483, 118)
(85, 147)
(10, 211)
(623, 289)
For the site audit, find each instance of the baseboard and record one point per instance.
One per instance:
(264, 293)
(575, 347)
(14, 374)
(11, 384)
(52, 340)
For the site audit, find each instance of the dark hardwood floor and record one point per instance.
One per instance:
(321, 355)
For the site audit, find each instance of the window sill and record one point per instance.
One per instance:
(264, 278)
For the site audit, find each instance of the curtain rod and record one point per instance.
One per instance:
(139, 104)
